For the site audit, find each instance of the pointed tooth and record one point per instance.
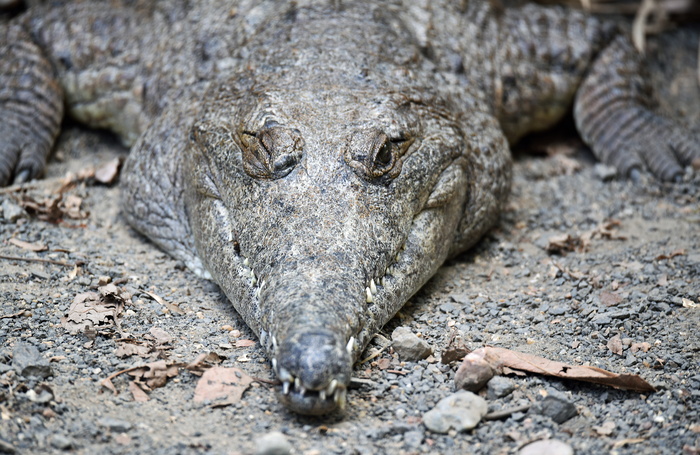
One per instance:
(382, 282)
(285, 387)
(253, 281)
(302, 391)
(274, 364)
(322, 394)
(369, 297)
(372, 286)
(297, 384)
(246, 262)
(350, 347)
(398, 257)
(339, 397)
(285, 375)
(274, 342)
(331, 387)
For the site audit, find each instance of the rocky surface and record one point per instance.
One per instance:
(638, 282)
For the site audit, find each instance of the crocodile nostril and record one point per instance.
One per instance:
(272, 152)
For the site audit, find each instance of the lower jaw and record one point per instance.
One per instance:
(311, 403)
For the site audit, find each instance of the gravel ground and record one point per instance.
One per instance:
(639, 283)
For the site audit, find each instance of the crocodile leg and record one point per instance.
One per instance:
(614, 113)
(31, 106)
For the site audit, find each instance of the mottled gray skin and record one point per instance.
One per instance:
(321, 160)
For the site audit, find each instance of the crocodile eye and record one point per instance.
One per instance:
(374, 156)
(272, 152)
(384, 155)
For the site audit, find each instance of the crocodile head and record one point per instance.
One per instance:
(321, 200)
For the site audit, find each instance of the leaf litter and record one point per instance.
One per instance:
(91, 312)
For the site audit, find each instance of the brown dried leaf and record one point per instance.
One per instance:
(170, 306)
(615, 345)
(137, 392)
(561, 244)
(501, 357)
(204, 361)
(636, 347)
(90, 311)
(222, 386)
(160, 336)
(155, 374)
(244, 343)
(129, 349)
(606, 429)
(383, 363)
(37, 247)
(671, 255)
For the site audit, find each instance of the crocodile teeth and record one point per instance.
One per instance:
(339, 398)
(331, 387)
(274, 343)
(274, 364)
(246, 262)
(381, 281)
(369, 298)
(322, 394)
(297, 384)
(349, 347)
(285, 387)
(372, 286)
(285, 375)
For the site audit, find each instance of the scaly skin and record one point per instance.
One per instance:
(321, 160)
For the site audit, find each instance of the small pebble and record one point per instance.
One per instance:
(28, 361)
(273, 443)
(556, 406)
(547, 447)
(460, 411)
(58, 441)
(409, 347)
(115, 425)
(499, 387)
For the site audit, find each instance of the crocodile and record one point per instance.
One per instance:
(319, 160)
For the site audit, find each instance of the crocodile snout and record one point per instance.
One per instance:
(314, 366)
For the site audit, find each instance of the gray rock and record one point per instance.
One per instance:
(58, 441)
(115, 425)
(409, 347)
(11, 211)
(460, 411)
(28, 361)
(604, 172)
(413, 439)
(273, 443)
(499, 387)
(556, 406)
(547, 447)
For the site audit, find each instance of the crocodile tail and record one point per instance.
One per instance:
(31, 106)
(615, 112)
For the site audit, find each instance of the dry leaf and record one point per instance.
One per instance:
(244, 343)
(204, 361)
(222, 386)
(128, 349)
(160, 335)
(615, 345)
(671, 255)
(137, 392)
(155, 374)
(170, 306)
(37, 247)
(636, 347)
(384, 363)
(501, 358)
(91, 311)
